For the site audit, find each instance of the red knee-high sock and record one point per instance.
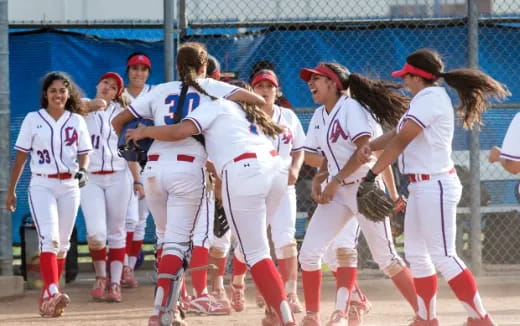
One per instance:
(158, 254)
(346, 278)
(48, 269)
(270, 284)
(465, 288)
(129, 240)
(426, 288)
(221, 262)
(199, 279)
(404, 282)
(61, 266)
(283, 269)
(169, 264)
(312, 290)
(136, 248)
(239, 268)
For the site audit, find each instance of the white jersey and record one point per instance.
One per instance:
(430, 151)
(227, 132)
(54, 145)
(160, 105)
(293, 137)
(334, 134)
(511, 147)
(147, 88)
(105, 156)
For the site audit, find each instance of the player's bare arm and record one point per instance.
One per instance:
(243, 95)
(364, 153)
(296, 164)
(184, 129)
(388, 179)
(122, 119)
(136, 177)
(510, 166)
(318, 179)
(313, 159)
(16, 172)
(397, 145)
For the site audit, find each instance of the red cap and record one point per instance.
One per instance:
(265, 75)
(409, 69)
(322, 70)
(139, 59)
(119, 81)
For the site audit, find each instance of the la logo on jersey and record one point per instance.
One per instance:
(71, 136)
(287, 135)
(336, 131)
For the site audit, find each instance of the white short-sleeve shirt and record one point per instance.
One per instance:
(147, 88)
(227, 132)
(430, 151)
(334, 134)
(160, 105)
(105, 156)
(293, 137)
(53, 145)
(511, 145)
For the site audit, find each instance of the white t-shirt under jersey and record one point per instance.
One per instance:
(228, 133)
(334, 134)
(147, 88)
(430, 151)
(160, 105)
(54, 145)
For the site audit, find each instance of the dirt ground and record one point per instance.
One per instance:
(501, 296)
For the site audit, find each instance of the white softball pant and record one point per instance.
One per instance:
(348, 238)
(283, 222)
(251, 190)
(54, 206)
(430, 227)
(104, 201)
(175, 193)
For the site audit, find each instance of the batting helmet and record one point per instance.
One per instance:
(134, 152)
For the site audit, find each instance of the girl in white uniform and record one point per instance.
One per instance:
(105, 200)
(174, 177)
(422, 145)
(253, 180)
(509, 154)
(289, 146)
(337, 129)
(138, 69)
(57, 138)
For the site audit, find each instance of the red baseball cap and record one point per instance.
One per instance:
(409, 69)
(322, 70)
(119, 81)
(139, 59)
(265, 75)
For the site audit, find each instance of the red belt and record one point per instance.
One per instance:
(180, 157)
(103, 172)
(60, 176)
(246, 156)
(424, 177)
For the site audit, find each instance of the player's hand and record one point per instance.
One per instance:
(293, 176)
(329, 192)
(97, 104)
(316, 190)
(139, 190)
(363, 154)
(135, 134)
(494, 154)
(10, 201)
(82, 177)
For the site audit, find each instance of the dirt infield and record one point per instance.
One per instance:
(501, 297)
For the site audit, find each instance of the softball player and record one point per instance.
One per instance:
(248, 159)
(509, 154)
(106, 198)
(422, 145)
(337, 129)
(289, 146)
(138, 69)
(57, 139)
(174, 177)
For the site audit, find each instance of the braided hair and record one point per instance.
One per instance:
(191, 57)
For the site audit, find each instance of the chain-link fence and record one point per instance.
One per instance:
(372, 38)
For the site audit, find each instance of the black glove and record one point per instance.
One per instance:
(220, 223)
(82, 177)
(372, 201)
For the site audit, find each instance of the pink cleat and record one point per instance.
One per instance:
(237, 297)
(337, 318)
(128, 279)
(54, 305)
(114, 293)
(98, 289)
(311, 319)
(480, 322)
(421, 322)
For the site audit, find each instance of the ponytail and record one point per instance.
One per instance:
(192, 56)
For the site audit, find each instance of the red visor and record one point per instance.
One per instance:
(139, 59)
(265, 76)
(115, 76)
(409, 69)
(322, 70)
(215, 75)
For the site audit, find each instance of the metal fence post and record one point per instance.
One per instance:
(6, 249)
(474, 148)
(168, 40)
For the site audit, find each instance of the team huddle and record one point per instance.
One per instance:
(235, 147)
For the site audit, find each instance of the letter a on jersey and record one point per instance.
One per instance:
(336, 131)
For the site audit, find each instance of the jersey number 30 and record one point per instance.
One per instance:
(191, 102)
